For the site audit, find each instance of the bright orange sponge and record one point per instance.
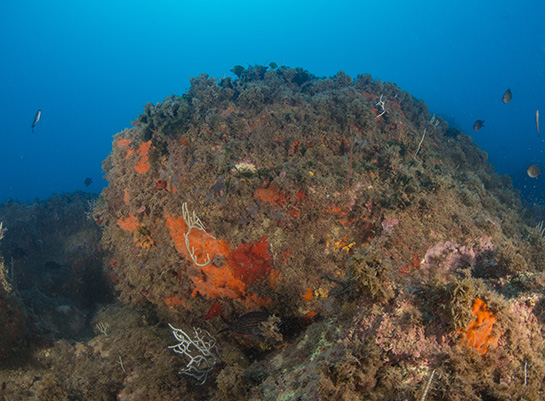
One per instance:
(227, 280)
(478, 335)
(129, 223)
(143, 165)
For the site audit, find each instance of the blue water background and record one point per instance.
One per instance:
(91, 66)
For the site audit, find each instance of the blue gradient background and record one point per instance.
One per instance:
(91, 66)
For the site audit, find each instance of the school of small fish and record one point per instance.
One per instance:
(88, 181)
(533, 171)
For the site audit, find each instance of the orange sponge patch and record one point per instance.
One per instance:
(201, 243)
(211, 280)
(251, 263)
(129, 223)
(174, 301)
(478, 335)
(123, 142)
(218, 282)
(143, 165)
(309, 296)
(270, 194)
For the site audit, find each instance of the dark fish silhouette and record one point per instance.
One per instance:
(537, 123)
(249, 323)
(36, 119)
(478, 125)
(533, 171)
(507, 96)
(88, 181)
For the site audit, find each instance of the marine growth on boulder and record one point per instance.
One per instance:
(340, 204)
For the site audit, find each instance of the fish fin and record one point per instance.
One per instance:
(227, 322)
(256, 331)
(224, 330)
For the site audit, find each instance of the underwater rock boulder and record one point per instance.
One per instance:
(243, 191)
(378, 252)
(256, 192)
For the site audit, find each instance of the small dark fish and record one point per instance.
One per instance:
(533, 171)
(507, 96)
(18, 252)
(478, 125)
(88, 181)
(50, 265)
(248, 323)
(537, 123)
(36, 119)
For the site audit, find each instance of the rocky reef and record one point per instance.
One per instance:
(386, 258)
(11, 311)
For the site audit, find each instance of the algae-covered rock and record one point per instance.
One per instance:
(258, 190)
(335, 198)
(12, 315)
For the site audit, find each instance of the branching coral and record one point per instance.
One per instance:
(200, 348)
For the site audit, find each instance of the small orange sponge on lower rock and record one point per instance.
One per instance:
(478, 335)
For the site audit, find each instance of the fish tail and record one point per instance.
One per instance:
(225, 330)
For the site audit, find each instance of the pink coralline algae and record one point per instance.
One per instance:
(388, 224)
(447, 256)
(398, 338)
(245, 165)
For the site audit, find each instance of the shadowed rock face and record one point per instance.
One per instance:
(53, 271)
